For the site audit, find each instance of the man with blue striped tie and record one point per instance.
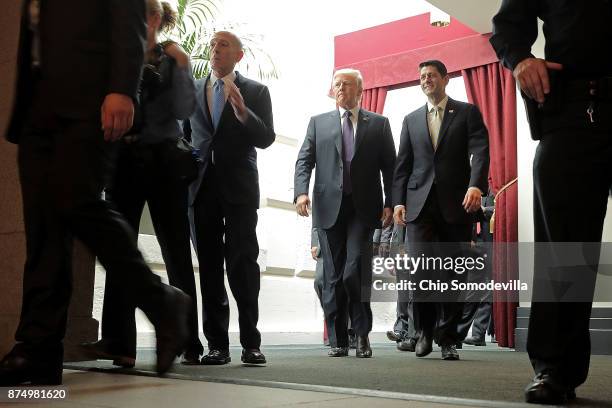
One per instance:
(233, 116)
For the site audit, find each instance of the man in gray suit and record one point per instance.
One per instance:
(349, 147)
(440, 174)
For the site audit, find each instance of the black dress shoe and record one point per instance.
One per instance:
(394, 336)
(104, 350)
(545, 389)
(449, 352)
(171, 327)
(338, 352)
(406, 345)
(252, 356)
(363, 347)
(475, 341)
(424, 345)
(20, 366)
(216, 357)
(190, 357)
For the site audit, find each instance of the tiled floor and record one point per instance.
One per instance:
(90, 389)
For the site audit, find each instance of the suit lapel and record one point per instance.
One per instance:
(424, 129)
(449, 115)
(363, 120)
(336, 130)
(202, 100)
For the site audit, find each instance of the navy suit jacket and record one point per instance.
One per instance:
(232, 145)
(461, 160)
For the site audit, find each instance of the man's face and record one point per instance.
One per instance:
(225, 53)
(347, 90)
(432, 82)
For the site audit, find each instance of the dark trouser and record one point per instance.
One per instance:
(225, 231)
(477, 309)
(326, 297)
(63, 166)
(404, 324)
(572, 177)
(141, 178)
(350, 248)
(476, 315)
(439, 318)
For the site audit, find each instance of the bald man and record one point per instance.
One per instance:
(233, 116)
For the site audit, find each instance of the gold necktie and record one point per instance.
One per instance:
(435, 123)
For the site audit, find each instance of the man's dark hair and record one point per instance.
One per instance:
(436, 64)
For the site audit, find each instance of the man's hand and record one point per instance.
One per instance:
(237, 101)
(117, 116)
(471, 201)
(399, 215)
(175, 51)
(386, 217)
(532, 76)
(313, 252)
(302, 205)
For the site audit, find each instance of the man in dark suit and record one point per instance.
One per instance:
(349, 148)
(232, 118)
(568, 95)
(403, 334)
(478, 306)
(441, 171)
(75, 90)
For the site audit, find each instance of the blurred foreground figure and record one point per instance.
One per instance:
(78, 72)
(568, 96)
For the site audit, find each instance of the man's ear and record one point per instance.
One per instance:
(240, 56)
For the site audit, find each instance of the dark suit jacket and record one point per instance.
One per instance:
(232, 142)
(463, 135)
(88, 50)
(322, 148)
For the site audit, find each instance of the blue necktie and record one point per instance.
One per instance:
(348, 144)
(218, 101)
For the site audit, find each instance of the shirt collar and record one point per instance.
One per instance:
(442, 104)
(229, 77)
(354, 112)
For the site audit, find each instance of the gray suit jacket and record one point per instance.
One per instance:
(461, 160)
(374, 153)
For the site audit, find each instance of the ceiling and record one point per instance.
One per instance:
(477, 14)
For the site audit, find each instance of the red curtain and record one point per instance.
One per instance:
(492, 88)
(374, 99)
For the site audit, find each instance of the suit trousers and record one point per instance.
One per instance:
(326, 298)
(140, 179)
(63, 167)
(349, 275)
(226, 232)
(570, 161)
(477, 316)
(404, 323)
(436, 317)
